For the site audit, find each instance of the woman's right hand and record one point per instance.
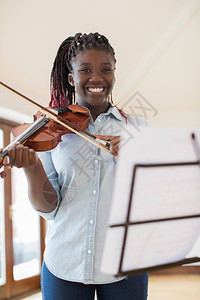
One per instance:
(21, 156)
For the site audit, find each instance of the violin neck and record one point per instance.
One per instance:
(26, 134)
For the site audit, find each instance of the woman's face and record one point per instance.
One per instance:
(93, 77)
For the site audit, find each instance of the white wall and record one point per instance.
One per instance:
(157, 44)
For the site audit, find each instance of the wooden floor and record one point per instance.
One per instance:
(174, 287)
(164, 287)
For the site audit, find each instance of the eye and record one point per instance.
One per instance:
(107, 70)
(84, 70)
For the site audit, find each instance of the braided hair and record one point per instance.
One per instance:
(62, 93)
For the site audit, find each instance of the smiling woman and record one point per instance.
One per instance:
(75, 179)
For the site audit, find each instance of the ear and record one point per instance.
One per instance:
(71, 79)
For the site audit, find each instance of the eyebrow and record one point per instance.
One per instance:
(89, 64)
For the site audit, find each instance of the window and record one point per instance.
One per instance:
(21, 231)
(2, 226)
(25, 229)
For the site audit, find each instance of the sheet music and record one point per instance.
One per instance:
(175, 191)
(159, 192)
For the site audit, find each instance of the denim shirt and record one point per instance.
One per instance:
(83, 177)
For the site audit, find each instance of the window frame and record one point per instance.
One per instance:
(11, 287)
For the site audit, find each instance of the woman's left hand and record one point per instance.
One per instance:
(113, 140)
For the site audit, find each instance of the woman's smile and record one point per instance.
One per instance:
(95, 90)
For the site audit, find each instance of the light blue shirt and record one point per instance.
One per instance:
(83, 176)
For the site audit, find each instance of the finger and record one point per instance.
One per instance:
(25, 161)
(5, 160)
(12, 152)
(114, 146)
(114, 149)
(18, 162)
(29, 157)
(33, 157)
(104, 137)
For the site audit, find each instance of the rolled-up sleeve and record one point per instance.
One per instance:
(52, 175)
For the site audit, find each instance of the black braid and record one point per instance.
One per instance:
(62, 93)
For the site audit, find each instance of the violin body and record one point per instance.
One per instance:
(50, 134)
(43, 140)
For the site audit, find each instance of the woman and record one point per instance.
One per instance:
(71, 185)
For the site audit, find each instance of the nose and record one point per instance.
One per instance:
(96, 77)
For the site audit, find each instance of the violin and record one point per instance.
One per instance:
(45, 132)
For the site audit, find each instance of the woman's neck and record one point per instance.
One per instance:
(96, 110)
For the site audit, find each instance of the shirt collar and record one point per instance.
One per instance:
(114, 111)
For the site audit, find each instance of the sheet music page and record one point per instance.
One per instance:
(159, 192)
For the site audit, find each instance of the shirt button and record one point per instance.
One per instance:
(94, 192)
(89, 252)
(91, 221)
(96, 161)
(99, 120)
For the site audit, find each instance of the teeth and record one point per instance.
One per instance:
(95, 90)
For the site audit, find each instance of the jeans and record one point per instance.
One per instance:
(132, 288)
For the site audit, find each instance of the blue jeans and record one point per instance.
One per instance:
(132, 288)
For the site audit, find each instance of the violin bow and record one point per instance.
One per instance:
(69, 125)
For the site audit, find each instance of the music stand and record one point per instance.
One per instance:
(129, 223)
